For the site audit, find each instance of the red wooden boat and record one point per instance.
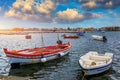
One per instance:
(28, 36)
(35, 55)
(72, 36)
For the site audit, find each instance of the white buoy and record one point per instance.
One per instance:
(43, 59)
(61, 53)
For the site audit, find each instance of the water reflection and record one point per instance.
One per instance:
(39, 69)
(66, 68)
(101, 76)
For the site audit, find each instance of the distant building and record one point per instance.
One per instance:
(110, 28)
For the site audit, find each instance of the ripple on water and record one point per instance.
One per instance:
(66, 68)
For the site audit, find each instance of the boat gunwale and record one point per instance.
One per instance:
(34, 57)
(92, 68)
(67, 47)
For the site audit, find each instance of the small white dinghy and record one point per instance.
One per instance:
(94, 63)
(98, 37)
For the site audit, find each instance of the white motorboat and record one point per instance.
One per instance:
(94, 63)
(98, 37)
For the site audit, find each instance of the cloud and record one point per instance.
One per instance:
(109, 4)
(18, 4)
(11, 13)
(113, 13)
(45, 11)
(30, 10)
(46, 7)
(91, 15)
(90, 5)
(72, 15)
(61, 1)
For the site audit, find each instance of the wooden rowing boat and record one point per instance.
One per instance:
(71, 36)
(94, 63)
(36, 55)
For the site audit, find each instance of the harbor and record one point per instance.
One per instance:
(67, 67)
(59, 40)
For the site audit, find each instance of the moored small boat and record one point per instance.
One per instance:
(98, 37)
(94, 63)
(35, 55)
(71, 36)
(80, 33)
(28, 37)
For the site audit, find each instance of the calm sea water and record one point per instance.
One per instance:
(66, 68)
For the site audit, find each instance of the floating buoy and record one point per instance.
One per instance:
(60, 54)
(43, 59)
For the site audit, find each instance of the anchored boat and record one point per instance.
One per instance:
(36, 55)
(71, 36)
(101, 38)
(28, 36)
(94, 63)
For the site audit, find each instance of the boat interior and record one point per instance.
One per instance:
(95, 59)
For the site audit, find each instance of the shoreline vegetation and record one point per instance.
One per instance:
(23, 31)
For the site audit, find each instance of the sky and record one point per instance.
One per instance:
(59, 13)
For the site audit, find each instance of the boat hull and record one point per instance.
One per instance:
(99, 38)
(96, 70)
(35, 55)
(71, 37)
(40, 59)
(95, 37)
(93, 63)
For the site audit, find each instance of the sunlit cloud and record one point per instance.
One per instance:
(72, 15)
(45, 12)
(90, 5)
(51, 11)
(107, 4)
(46, 7)
(30, 10)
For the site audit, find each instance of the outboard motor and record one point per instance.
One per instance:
(104, 39)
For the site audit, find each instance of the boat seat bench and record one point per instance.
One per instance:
(99, 58)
